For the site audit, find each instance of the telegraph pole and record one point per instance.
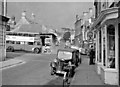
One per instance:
(4, 7)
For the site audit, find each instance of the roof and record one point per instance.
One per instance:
(25, 20)
(34, 28)
(47, 34)
(4, 19)
(67, 49)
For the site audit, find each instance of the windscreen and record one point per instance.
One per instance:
(64, 55)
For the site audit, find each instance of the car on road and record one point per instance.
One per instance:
(65, 63)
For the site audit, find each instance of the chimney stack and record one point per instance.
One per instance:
(77, 17)
(33, 16)
(85, 14)
(23, 14)
(90, 12)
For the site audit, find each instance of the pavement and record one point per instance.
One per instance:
(86, 74)
(10, 62)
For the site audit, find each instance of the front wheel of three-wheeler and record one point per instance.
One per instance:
(66, 82)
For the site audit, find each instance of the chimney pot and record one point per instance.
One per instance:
(23, 13)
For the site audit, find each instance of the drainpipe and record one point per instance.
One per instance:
(119, 42)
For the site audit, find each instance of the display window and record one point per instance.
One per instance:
(104, 51)
(111, 46)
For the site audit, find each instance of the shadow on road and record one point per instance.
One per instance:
(56, 81)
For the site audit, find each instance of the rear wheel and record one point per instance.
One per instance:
(10, 48)
(36, 50)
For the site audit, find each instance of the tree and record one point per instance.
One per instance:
(66, 36)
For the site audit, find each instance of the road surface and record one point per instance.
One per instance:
(36, 71)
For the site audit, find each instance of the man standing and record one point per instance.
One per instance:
(92, 56)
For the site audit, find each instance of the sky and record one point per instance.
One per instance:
(55, 14)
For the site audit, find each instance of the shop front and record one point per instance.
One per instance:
(107, 45)
(3, 21)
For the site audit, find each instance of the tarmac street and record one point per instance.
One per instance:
(36, 71)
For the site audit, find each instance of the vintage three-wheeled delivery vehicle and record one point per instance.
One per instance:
(65, 63)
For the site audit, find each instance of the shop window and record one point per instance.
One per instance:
(104, 52)
(111, 46)
(104, 58)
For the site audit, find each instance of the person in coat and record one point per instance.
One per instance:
(92, 56)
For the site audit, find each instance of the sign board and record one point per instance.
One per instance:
(19, 38)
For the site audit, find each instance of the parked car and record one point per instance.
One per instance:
(65, 63)
(77, 48)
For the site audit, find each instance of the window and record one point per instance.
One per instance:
(7, 41)
(30, 43)
(26, 43)
(38, 43)
(111, 46)
(104, 56)
(19, 34)
(12, 42)
(17, 42)
(25, 34)
(22, 42)
(30, 35)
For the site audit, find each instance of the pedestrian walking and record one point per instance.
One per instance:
(92, 56)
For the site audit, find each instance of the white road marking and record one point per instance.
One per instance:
(12, 66)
